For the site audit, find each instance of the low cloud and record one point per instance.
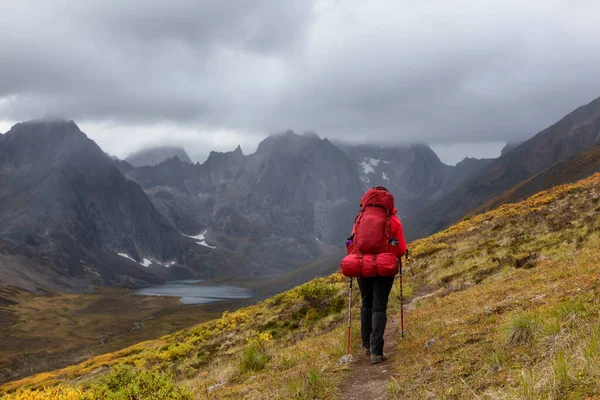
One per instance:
(222, 72)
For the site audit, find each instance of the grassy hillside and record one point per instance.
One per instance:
(513, 313)
(517, 312)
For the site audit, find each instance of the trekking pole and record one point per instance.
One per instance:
(401, 306)
(349, 313)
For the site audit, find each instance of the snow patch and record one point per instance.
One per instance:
(386, 162)
(367, 168)
(126, 256)
(165, 264)
(201, 240)
(145, 262)
(317, 239)
(369, 164)
(374, 162)
(385, 177)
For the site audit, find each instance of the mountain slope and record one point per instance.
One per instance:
(512, 313)
(466, 169)
(571, 135)
(276, 206)
(577, 167)
(62, 200)
(414, 173)
(509, 147)
(157, 155)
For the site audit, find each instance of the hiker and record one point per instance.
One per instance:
(375, 249)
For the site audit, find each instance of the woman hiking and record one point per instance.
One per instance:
(375, 249)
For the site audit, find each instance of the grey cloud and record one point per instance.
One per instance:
(265, 26)
(435, 71)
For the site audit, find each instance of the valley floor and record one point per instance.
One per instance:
(43, 333)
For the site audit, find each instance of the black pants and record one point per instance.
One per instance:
(373, 314)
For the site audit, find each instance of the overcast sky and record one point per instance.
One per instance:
(464, 76)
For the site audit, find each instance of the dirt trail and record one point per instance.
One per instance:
(368, 381)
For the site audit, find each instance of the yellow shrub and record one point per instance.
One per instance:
(260, 340)
(53, 393)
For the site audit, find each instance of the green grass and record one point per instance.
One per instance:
(521, 329)
(253, 360)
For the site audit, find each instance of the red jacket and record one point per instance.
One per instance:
(397, 232)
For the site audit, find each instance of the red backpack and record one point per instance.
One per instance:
(371, 238)
(372, 226)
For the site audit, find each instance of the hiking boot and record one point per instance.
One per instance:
(376, 359)
(367, 351)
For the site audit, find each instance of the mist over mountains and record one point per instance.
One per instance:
(157, 155)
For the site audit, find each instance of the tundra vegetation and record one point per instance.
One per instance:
(514, 313)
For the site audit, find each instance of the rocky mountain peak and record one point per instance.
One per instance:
(423, 154)
(228, 156)
(43, 128)
(289, 142)
(223, 168)
(156, 155)
(41, 141)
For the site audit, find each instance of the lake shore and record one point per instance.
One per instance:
(43, 333)
(194, 292)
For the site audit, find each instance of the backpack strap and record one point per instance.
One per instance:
(387, 229)
(360, 259)
(355, 227)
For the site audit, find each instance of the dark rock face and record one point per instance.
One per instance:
(274, 206)
(63, 198)
(157, 155)
(571, 135)
(301, 183)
